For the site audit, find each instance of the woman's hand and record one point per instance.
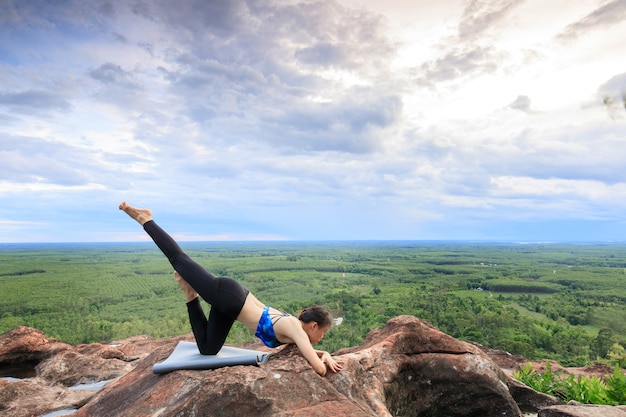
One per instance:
(330, 363)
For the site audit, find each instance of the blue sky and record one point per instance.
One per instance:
(320, 120)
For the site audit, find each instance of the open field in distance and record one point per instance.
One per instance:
(560, 301)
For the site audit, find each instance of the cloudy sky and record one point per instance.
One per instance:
(316, 120)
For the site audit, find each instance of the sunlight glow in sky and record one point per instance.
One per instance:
(325, 120)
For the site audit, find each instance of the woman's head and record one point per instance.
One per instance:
(318, 314)
(315, 321)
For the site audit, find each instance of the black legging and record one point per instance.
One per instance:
(225, 295)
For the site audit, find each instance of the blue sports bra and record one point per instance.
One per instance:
(265, 328)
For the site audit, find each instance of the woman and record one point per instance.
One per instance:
(231, 301)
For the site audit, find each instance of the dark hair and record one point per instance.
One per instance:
(318, 314)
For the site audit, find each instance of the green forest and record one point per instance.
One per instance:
(545, 301)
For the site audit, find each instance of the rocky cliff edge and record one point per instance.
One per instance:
(406, 368)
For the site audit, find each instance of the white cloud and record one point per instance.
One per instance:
(312, 120)
(608, 14)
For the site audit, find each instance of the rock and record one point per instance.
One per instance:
(527, 398)
(97, 362)
(406, 368)
(24, 345)
(503, 359)
(46, 368)
(582, 411)
(30, 398)
(70, 368)
(597, 369)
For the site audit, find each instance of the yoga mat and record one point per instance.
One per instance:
(187, 356)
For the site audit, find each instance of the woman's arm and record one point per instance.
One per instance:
(292, 332)
(311, 355)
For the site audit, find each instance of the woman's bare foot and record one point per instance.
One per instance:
(140, 215)
(190, 293)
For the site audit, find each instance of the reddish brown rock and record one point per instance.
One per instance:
(69, 368)
(52, 366)
(503, 359)
(527, 398)
(96, 362)
(27, 345)
(600, 370)
(582, 411)
(30, 398)
(406, 368)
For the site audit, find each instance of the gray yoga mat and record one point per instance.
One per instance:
(187, 356)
